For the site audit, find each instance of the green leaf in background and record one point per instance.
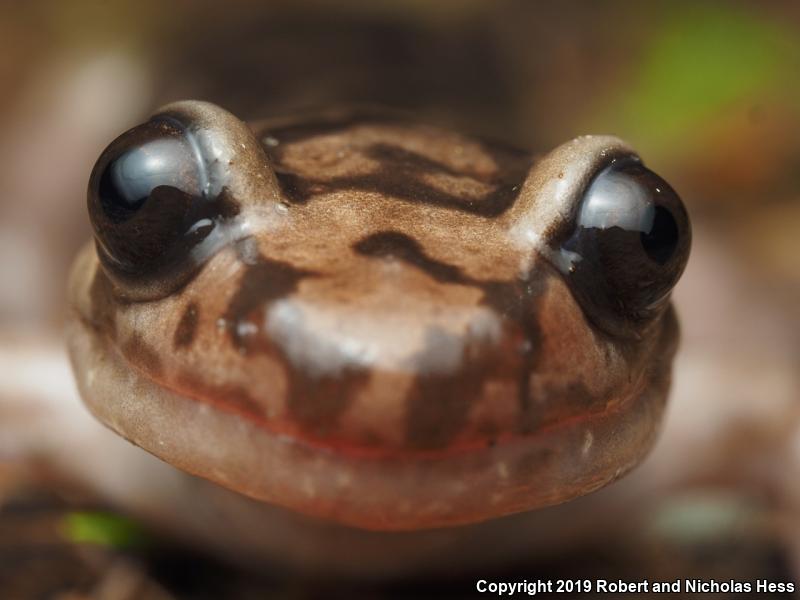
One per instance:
(702, 517)
(104, 529)
(703, 60)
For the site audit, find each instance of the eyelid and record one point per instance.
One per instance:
(189, 137)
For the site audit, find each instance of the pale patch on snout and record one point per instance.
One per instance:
(325, 340)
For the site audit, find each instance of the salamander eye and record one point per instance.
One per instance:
(630, 243)
(150, 199)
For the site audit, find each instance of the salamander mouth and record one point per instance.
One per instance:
(236, 402)
(358, 487)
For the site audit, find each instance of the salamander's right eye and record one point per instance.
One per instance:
(142, 193)
(147, 157)
(155, 194)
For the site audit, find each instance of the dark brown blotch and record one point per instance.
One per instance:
(187, 327)
(314, 401)
(142, 355)
(317, 402)
(399, 176)
(438, 404)
(225, 205)
(519, 302)
(393, 244)
(263, 282)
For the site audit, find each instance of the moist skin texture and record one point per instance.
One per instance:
(380, 332)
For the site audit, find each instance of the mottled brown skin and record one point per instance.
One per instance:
(381, 334)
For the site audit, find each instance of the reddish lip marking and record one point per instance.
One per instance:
(285, 428)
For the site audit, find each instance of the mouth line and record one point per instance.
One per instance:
(291, 432)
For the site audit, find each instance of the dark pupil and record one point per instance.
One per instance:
(662, 239)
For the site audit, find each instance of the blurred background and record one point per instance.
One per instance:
(709, 94)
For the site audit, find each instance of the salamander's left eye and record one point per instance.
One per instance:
(630, 243)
